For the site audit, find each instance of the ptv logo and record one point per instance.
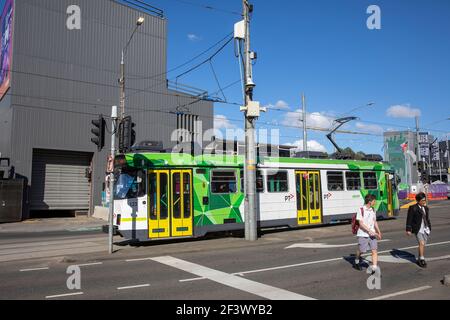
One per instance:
(289, 198)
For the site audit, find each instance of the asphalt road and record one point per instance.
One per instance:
(313, 263)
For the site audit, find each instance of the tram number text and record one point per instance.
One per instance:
(246, 309)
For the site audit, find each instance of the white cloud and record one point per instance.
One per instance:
(313, 145)
(403, 111)
(222, 122)
(193, 37)
(281, 104)
(315, 120)
(372, 128)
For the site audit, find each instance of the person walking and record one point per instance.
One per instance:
(368, 232)
(418, 223)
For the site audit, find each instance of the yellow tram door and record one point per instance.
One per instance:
(302, 197)
(182, 213)
(309, 205)
(315, 208)
(389, 196)
(158, 204)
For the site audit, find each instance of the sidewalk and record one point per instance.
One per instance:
(78, 224)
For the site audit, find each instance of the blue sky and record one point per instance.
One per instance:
(324, 49)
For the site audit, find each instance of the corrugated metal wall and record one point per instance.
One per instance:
(63, 78)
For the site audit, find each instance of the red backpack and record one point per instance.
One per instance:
(355, 223)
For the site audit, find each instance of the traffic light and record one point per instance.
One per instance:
(99, 132)
(127, 134)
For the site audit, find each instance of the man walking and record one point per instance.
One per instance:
(368, 232)
(418, 223)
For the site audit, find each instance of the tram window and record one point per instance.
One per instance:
(164, 196)
(176, 195)
(152, 187)
(277, 182)
(335, 180)
(130, 185)
(223, 182)
(187, 195)
(370, 180)
(317, 190)
(353, 180)
(259, 181)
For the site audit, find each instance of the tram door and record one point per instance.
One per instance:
(390, 196)
(170, 204)
(181, 204)
(309, 205)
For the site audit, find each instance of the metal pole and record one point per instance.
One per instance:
(122, 88)
(111, 180)
(305, 133)
(419, 176)
(250, 150)
(448, 161)
(440, 170)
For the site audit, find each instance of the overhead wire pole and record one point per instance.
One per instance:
(251, 113)
(111, 180)
(305, 131)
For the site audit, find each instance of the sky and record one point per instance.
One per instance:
(324, 49)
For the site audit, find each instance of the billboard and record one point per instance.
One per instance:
(6, 25)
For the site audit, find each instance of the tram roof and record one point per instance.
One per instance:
(160, 160)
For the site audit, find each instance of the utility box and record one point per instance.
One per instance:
(11, 200)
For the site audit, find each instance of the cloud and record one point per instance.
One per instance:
(222, 122)
(281, 104)
(403, 111)
(372, 128)
(313, 145)
(315, 120)
(193, 37)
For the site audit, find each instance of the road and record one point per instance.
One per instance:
(314, 263)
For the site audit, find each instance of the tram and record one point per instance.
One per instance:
(167, 196)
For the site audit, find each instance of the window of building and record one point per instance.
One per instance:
(223, 182)
(335, 180)
(277, 182)
(353, 180)
(370, 180)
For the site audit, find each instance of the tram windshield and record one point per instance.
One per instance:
(129, 184)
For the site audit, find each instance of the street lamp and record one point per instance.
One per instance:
(360, 107)
(139, 22)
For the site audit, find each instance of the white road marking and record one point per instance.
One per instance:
(134, 287)
(137, 260)
(64, 295)
(90, 264)
(438, 258)
(401, 293)
(35, 269)
(405, 259)
(253, 287)
(325, 246)
(241, 273)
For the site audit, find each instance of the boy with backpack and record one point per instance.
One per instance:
(367, 231)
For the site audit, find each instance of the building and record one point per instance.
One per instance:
(237, 148)
(59, 74)
(432, 159)
(399, 151)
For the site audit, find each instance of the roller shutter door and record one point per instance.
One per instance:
(58, 180)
